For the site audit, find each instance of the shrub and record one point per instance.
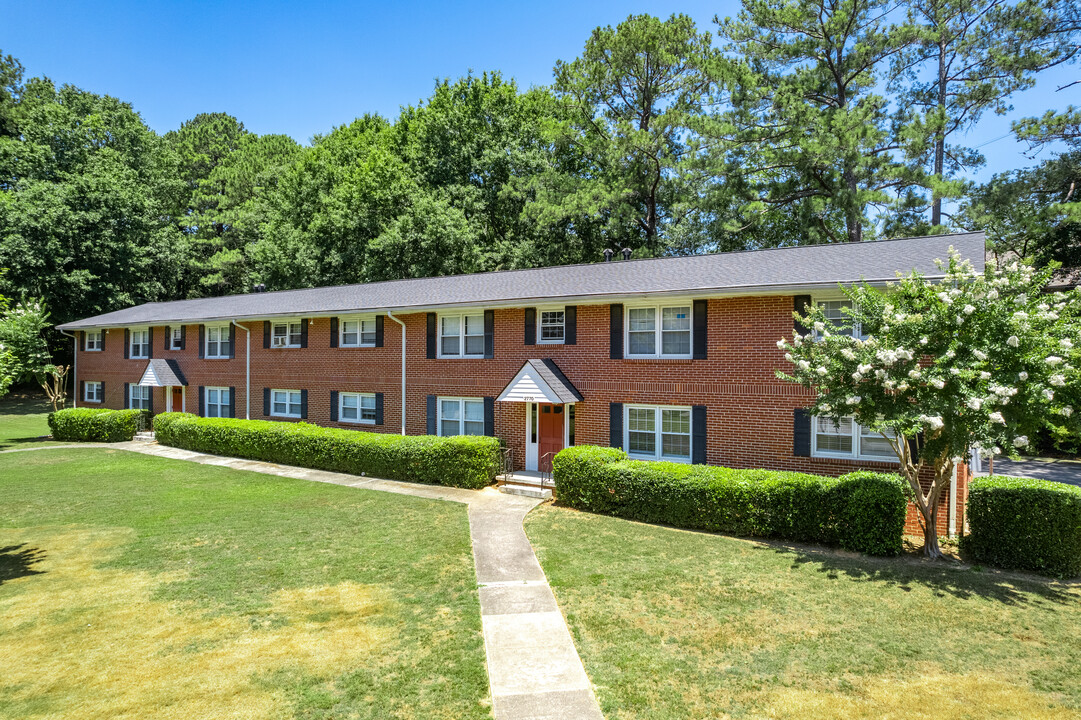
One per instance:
(97, 424)
(463, 461)
(1024, 524)
(862, 511)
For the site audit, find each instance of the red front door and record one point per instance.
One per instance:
(178, 399)
(551, 435)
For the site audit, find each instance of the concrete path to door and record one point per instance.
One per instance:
(534, 671)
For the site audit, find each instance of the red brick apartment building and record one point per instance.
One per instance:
(670, 358)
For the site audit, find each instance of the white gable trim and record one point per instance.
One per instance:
(528, 386)
(150, 378)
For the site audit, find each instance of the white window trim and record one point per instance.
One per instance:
(176, 334)
(131, 396)
(461, 420)
(219, 404)
(817, 300)
(857, 446)
(223, 331)
(131, 343)
(657, 341)
(300, 403)
(658, 456)
(360, 335)
(101, 340)
(461, 335)
(359, 395)
(287, 323)
(86, 388)
(540, 325)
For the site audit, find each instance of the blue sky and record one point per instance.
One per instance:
(301, 68)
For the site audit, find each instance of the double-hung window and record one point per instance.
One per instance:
(357, 332)
(176, 338)
(838, 314)
(357, 408)
(139, 397)
(848, 439)
(140, 344)
(92, 391)
(461, 416)
(216, 402)
(461, 335)
(285, 334)
(552, 327)
(658, 432)
(659, 331)
(93, 340)
(285, 403)
(217, 341)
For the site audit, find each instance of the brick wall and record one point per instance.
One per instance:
(749, 411)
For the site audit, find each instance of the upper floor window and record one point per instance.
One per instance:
(461, 335)
(461, 416)
(838, 313)
(140, 344)
(139, 397)
(93, 340)
(216, 402)
(658, 432)
(357, 408)
(357, 332)
(552, 327)
(217, 341)
(659, 331)
(848, 439)
(285, 334)
(176, 338)
(92, 391)
(285, 403)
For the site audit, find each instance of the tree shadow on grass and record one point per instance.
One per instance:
(943, 577)
(17, 561)
(9, 443)
(24, 405)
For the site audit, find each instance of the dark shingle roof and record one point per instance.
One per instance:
(794, 268)
(551, 374)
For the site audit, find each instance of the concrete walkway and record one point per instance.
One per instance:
(1063, 471)
(533, 668)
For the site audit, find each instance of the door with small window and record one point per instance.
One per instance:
(550, 434)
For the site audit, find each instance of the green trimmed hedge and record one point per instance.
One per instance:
(862, 511)
(1024, 524)
(463, 461)
(97, 424)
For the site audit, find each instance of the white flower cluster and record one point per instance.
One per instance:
(980, 355)
(1020, 441)
(1057, 380)
(932, 421)
(1013, 341)
(996, 417)
(889, 357)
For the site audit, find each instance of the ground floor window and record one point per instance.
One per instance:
(846, 438)
(92, 391)
(658, 432)
(357, 408)
(139, 397)
(461, 416)
(285, 403)
(216, 401)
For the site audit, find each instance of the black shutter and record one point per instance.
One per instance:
(431, 336)
(615, 337)
(183, 336)
(698, 434)
(531, 326)
(615, 425)
(801, 433)
(266, 336)
(379, 330)
(202, 341)
(127, 394)
(127, 346)
(150, 342)
(202, 401)
(303, 404)
(82, 340)
(489, 416)
(334, 403)
(432, 417)
(102, 347)
(232, 341)
(379, 408)
(232, 401)
(701, 329)
(168, 337)
(334, 332)
(800, 303)
(914, 447)
(489, 333)
(150, 401)
(304, 334)
(570, 325)
(101, 389)
(266, 402)
(82, 391)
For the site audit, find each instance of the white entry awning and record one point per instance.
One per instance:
(540, 381)
(162, 373)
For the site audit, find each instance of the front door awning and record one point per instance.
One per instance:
(162, 373)
(540, 381)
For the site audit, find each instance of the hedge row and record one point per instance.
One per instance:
(1024, 524)
(96, 424)
(862, 511)
(463, 461)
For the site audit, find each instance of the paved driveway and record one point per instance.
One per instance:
(1064, 471)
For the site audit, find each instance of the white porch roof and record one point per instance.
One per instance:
(162, 373)
(540, 381)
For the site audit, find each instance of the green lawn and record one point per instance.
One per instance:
(136, 587)
(23, 421)
(675, 624)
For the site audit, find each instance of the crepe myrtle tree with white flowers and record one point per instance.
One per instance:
(974, 361)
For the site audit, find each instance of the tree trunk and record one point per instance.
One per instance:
(931, 548)
(940, 134)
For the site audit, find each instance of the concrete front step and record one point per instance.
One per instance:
(144, 436)
(530, 491)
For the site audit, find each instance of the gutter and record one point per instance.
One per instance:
(391, 316)
(247, 371)
(75, 368)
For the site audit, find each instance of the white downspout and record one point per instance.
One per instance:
(75, 368)
(391, 316)
(247, 371)
(953, 503)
